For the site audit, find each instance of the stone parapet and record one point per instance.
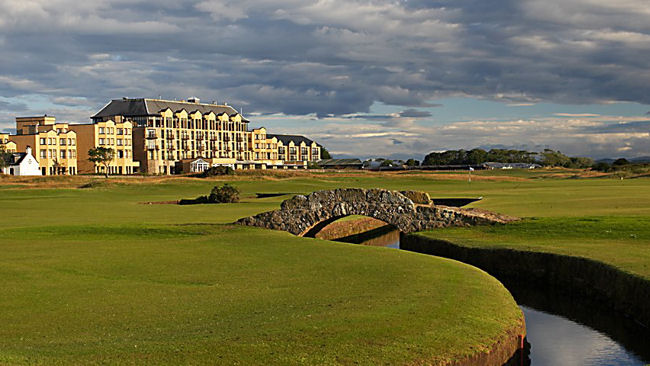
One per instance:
(304, 215)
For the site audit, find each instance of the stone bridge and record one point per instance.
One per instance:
(408, 211)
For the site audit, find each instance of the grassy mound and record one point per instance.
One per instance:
(92, 276)
(222, 294)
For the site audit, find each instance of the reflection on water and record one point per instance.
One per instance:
(554, 323)
(556, 340)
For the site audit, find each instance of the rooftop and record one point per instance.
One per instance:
(140, 107)
(297, 139)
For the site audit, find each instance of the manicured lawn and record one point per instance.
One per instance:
(93, 276)
(622, 241)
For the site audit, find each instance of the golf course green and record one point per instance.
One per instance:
(111, 274)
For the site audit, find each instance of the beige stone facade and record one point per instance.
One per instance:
(166, 132)
(6, 144)
(53, 144)
(110, 134)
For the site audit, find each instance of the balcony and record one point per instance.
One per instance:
(170, 136)
(151, 136)
(153, 147)
(214, 138)
(200, 138)
(185, 137)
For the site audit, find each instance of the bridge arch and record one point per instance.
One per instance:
(408, 211)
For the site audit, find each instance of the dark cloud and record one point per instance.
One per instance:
(414, 113)
(327, 58)
(626, 127)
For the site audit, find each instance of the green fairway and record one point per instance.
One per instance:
(622, 241)
(94, 276)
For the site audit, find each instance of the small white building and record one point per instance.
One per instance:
(199, 165)
(22, 164)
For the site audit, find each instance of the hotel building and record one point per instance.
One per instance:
(110, 134)
(158, 137)
(168, 133)
(53, 144)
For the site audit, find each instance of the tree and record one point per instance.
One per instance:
(224, 194)
(324, 154)
(4, 158)
(554, 158)
(386, 163)
(412, 162)
(620, 162)
(103, 156)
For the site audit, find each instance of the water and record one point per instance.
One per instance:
(556, 340)
(562, 330)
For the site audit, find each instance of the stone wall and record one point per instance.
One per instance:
(304, 215)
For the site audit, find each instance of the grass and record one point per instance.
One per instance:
(93, 276)
(622, 241)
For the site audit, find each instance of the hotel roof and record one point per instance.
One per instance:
(297, 139)
(152, 107)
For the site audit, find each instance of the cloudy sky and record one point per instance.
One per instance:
(365, 78)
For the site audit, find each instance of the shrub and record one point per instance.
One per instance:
(601, 167)
(224, 194)
(217, 171)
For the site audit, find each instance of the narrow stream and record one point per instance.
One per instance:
(563, 330)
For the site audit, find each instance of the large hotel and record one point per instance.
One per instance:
(158, 137)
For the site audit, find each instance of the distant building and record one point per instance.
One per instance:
(158, 137)
(22, 163)
(295, 148)
(492, 166)
(192, 166)
(340, 164)
(6, 144)
(115, 135)
(167, 132)
(54, 144)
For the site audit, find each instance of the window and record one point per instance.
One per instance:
(119, 142)
(62, 142)
(70, 142)
(74, 141)
(43, 154)
(101, 141)
(101, 130)
(120, 131)
(42, 141)
(120, 154)
(62, 154)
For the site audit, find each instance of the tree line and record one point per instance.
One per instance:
(547, 157)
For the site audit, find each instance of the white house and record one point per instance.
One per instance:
(22, 164)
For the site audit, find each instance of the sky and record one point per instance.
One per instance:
(381, 78)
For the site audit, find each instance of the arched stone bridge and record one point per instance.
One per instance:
(409, 211)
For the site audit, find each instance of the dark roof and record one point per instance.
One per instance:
(340, 162)
(152, 107)
(297, 139)
(15, 158)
